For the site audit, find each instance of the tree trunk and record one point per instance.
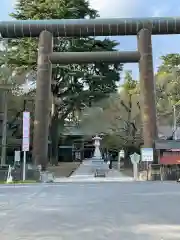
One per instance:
(57, 127)
(3, 124)
(127, 162)
(4, 128)
(54, 139)
(129, 116)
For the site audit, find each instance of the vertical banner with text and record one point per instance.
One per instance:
(26, 131)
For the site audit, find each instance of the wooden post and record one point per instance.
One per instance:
(42, 101)
(147, 88)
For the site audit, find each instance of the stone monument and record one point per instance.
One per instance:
(97, 153)
(99, 167)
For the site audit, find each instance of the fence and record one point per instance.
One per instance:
(17, 173)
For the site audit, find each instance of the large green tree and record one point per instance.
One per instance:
(168, 88)
(11, 104)
(74, 85)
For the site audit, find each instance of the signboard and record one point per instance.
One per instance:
(17, 157)
(26, 131)
(147, 154)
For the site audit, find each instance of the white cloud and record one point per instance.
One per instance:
(160, 11)
(116, 8)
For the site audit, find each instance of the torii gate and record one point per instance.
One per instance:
(46, 29)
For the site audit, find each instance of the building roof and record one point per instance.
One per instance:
(167, 144)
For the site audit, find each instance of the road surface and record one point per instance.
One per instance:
(98, 211)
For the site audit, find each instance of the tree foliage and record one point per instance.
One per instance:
(168, 88)
(73, 86)
(117, 117)
(12, 96)
(170, 63)
(70, 81)
(122, 109)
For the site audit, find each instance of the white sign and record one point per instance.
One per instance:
(26, 131)
(17, 157)
(135, 158)
(147, 154)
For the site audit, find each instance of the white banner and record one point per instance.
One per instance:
(147, 154)
(26, 131)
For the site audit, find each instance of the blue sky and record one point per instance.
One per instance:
(130, 8)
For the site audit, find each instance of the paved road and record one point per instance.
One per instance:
(98, 211)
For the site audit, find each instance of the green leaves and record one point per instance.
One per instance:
(129, 85)
(168, 87)
(53, 9)
(79, 81)
(120, 115)
(170, 62)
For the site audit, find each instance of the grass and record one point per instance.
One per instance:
(20, 182)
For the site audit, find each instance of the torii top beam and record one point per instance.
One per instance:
(94, 57)
(89, 27)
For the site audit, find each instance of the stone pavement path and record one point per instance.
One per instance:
(98, 211)
(84, 172)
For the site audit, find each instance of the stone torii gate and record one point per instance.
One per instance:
(45, 60)
(46, 29)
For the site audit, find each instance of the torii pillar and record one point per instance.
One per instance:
(42, 102)
(147, 87)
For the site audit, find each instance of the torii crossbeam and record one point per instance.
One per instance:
(86, 27)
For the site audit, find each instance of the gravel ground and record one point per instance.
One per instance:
(91, 211)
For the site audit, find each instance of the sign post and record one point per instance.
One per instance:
(135, 158)
(25, 140)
